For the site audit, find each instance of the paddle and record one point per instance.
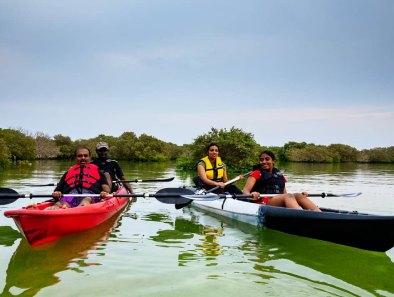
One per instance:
(169, 195)
(179, 205)
(211, 196)
(120, 181)
(229, 182)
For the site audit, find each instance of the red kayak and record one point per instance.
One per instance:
(41, 226)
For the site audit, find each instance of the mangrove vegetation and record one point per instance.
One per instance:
(238, 149)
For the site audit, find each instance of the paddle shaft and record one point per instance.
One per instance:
(144, 195)
(228, 182)
(243, 196)
(145, 180)
(120, 181)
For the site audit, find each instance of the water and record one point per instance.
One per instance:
(152, 249)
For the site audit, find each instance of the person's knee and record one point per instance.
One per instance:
(86, 201)
(289, 196)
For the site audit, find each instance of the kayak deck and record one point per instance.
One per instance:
(41, 226)
(360, 230)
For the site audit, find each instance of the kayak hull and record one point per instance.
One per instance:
(360, 230)
(41, 226)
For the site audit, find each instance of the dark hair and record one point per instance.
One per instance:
(269, 153)
(211, 144)
(81, 148)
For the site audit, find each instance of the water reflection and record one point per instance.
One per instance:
(318, 263)
(184, 230)
(8, 236)
(33, 268)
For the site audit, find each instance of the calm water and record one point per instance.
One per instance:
(152, 249)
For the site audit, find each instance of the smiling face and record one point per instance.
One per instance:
(266, 162)
(213, 152)
(82, 157)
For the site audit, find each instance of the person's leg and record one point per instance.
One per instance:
(305, 203)
(86, 201)
(32, 207)
(284, 200)
(58, 205)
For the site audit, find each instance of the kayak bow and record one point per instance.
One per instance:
(41, 226)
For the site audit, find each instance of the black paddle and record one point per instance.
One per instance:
(120, 181)
(169, 195)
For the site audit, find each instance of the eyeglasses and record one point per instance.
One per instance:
(103, 150)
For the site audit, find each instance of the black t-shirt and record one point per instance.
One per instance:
(110, 166)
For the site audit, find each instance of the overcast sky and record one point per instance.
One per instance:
(319, 71)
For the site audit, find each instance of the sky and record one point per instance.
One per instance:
(319, 71)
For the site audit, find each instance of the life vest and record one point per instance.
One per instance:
(86, 176)
(269, 183)
(215, 172)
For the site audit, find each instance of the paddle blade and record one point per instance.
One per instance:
(176, 199)
(348, 195)
(323, 195)
(6, 196)
(202, 197)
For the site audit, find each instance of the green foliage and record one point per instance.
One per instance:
(377, 155)
(237, 149)
(149, 148)
(343, 153)
(65, 145)
(19, 144)
(5, 154)
(284, 153)
(172, 150)
(311, 154)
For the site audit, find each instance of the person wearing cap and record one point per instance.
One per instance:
(82, 178)
(109, 167)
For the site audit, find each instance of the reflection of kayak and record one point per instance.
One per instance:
(39, 226)
(335, 267)
(361, 230)
(34, 268)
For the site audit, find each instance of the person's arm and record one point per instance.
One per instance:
(205, 180)
(225, 179)
(105, 191)
(104, 186)
(127, 185)
(250, 182)
(57, 193)
(119, 174)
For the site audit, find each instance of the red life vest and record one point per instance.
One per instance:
(86, 176)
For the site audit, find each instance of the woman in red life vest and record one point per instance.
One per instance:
(82, 178)
(266, 179)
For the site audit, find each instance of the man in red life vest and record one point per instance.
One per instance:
(82, 178)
